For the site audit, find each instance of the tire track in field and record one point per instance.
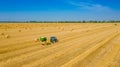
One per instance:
(116, 61)
(103, 56)
(88, 52)
(108, 58)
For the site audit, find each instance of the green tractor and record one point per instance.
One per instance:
(43, 40)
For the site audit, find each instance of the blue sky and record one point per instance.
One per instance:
(59, 10)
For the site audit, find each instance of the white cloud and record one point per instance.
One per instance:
(90, 6)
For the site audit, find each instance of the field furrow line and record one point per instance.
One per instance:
(103, 56)
(88, 52)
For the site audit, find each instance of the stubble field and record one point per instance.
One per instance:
(80, 45)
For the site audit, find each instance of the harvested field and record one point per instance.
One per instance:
(80, 45)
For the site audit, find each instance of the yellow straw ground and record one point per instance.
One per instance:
(80, 45)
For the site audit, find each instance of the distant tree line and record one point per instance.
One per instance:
(112, 21)
(73, 21)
